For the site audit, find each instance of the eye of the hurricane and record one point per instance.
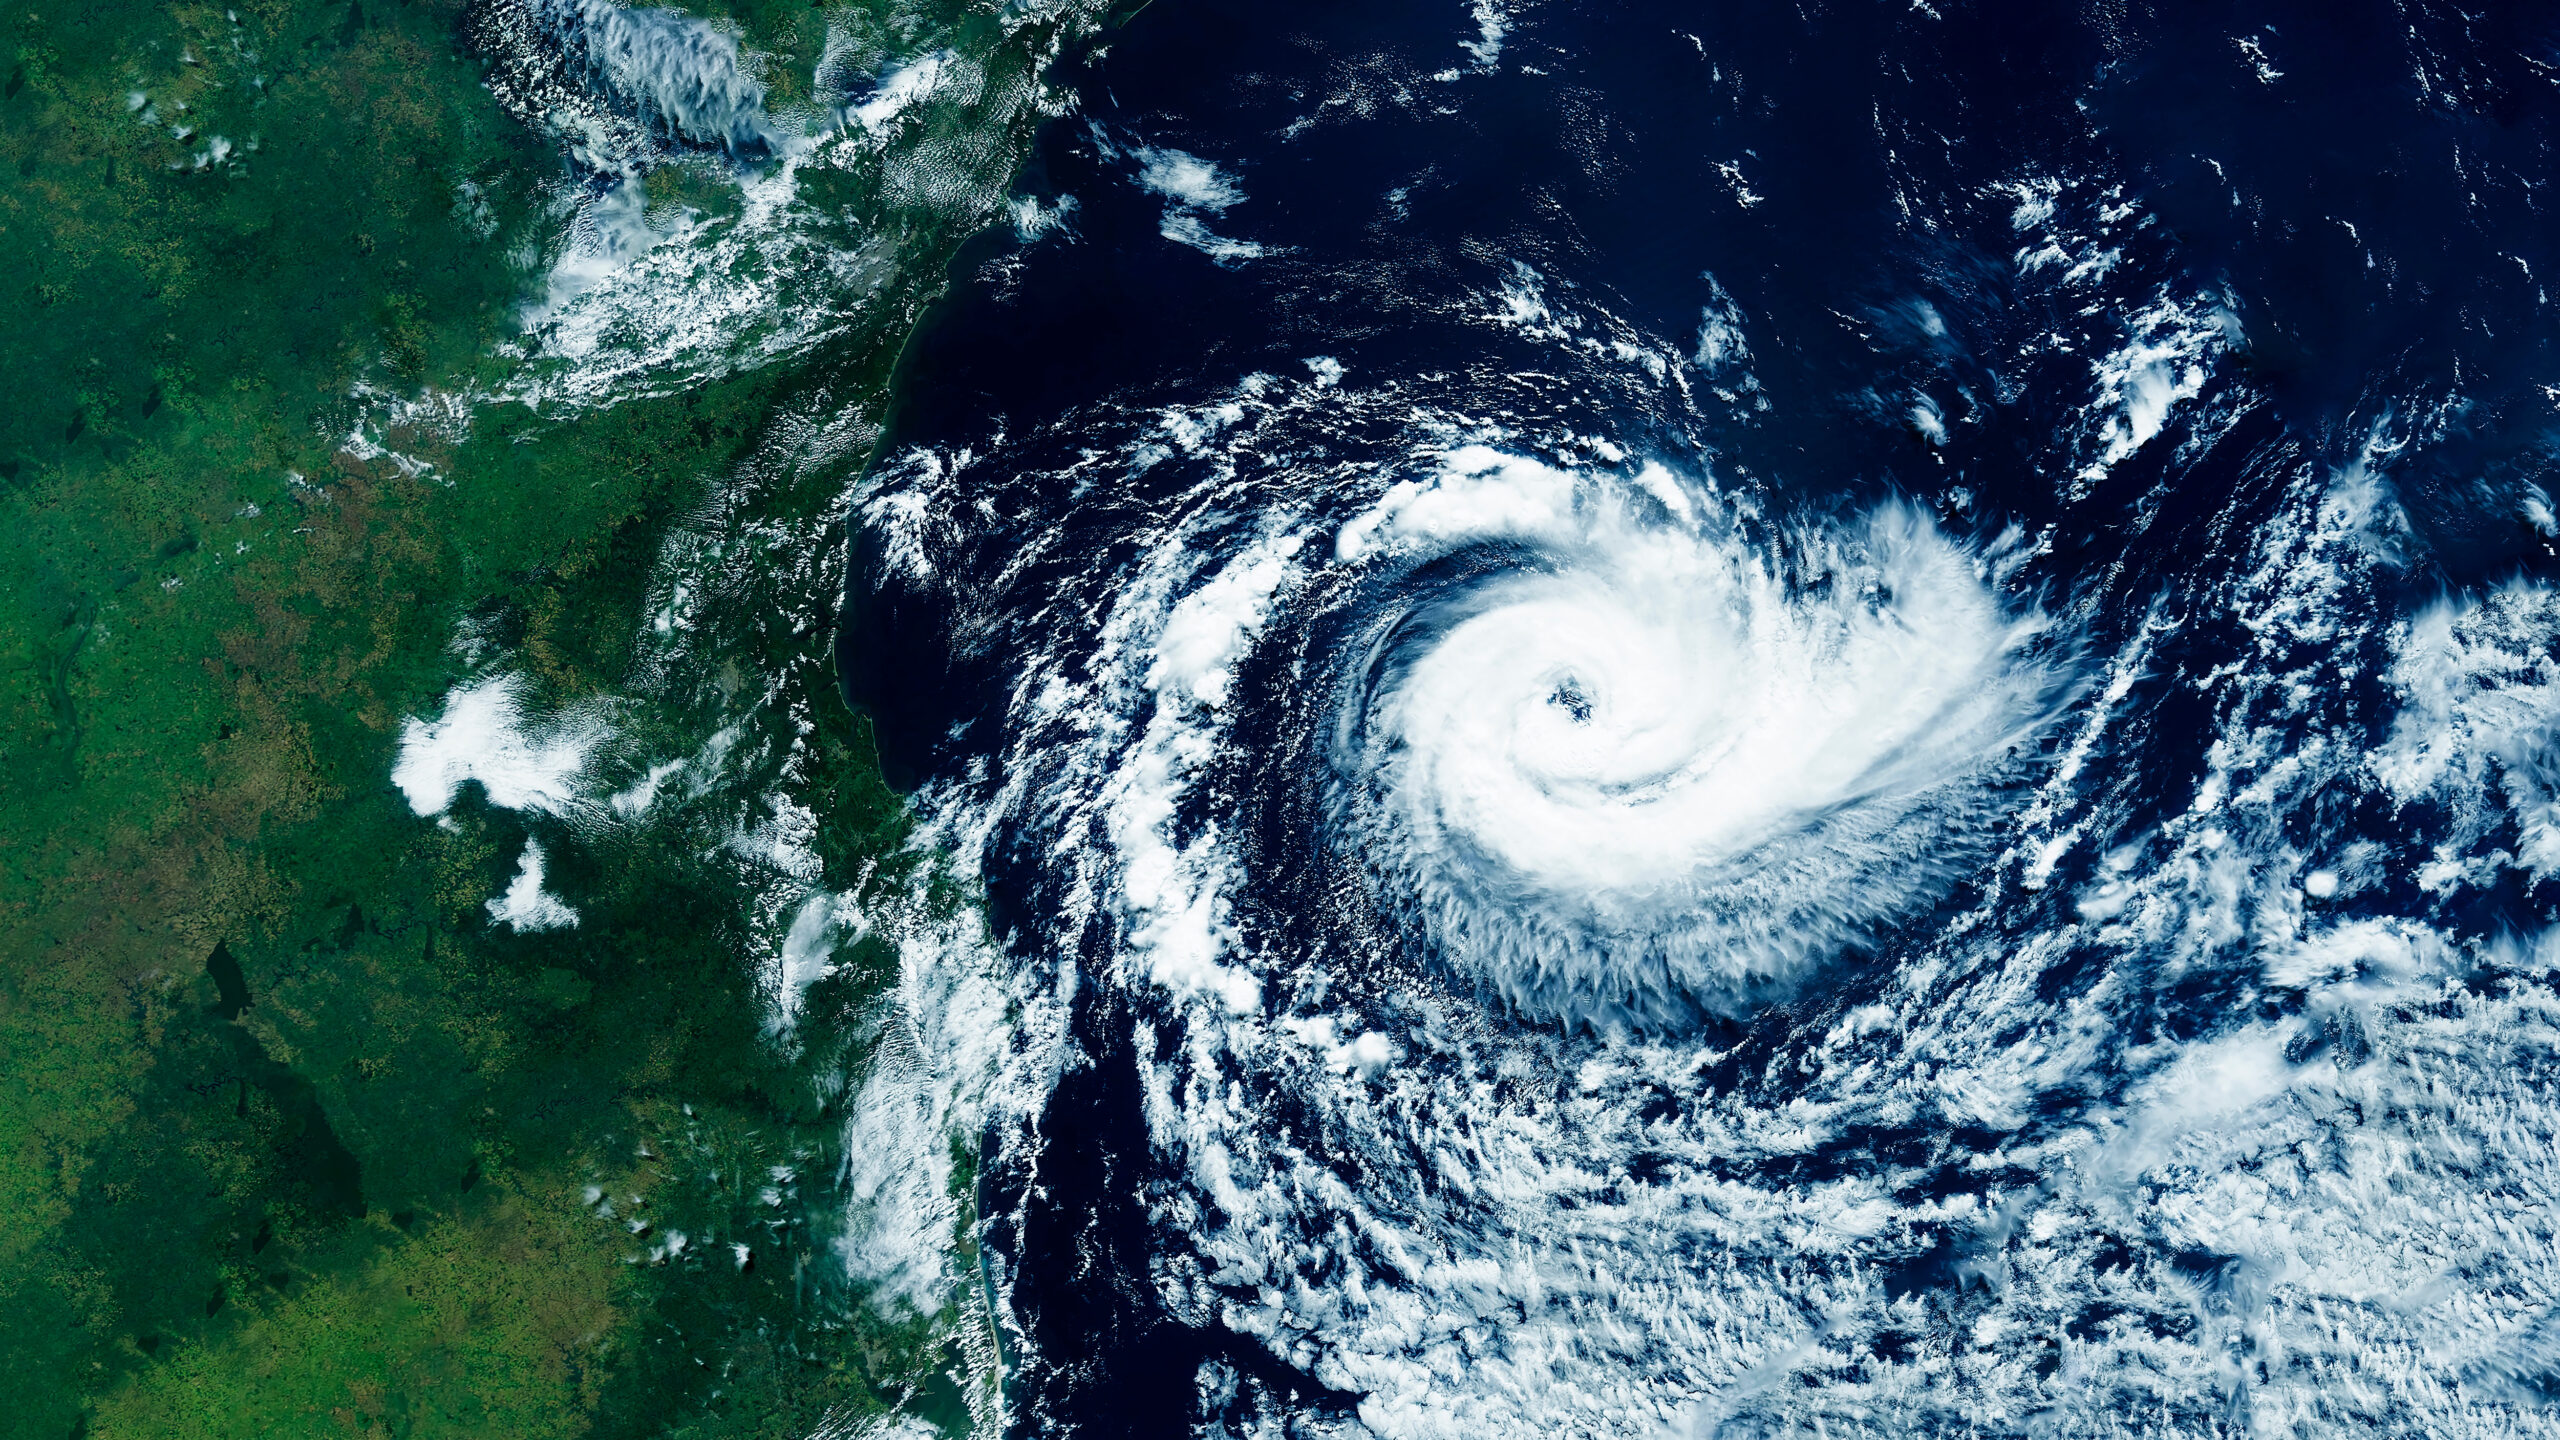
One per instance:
(1660, 767)
(1568, 697)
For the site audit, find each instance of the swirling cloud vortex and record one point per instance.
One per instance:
(1622, 756)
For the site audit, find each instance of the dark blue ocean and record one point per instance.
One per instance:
(1832, 718)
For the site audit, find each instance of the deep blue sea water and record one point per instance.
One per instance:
(1827, 718)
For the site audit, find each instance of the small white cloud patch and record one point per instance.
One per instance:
(1366, 1055)
(1186, 179)
(527, 907)
(1193, 189)
(484, 736)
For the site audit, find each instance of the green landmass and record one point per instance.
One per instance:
(295, 1139)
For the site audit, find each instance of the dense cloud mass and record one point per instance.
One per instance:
(1618, 757)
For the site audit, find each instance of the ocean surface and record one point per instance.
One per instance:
(1831, 719)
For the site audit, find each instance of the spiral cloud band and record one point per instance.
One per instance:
(1620, 754)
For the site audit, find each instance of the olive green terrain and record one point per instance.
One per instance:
(294, 1140)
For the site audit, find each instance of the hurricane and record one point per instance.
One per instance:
(1831, 721)
(1617, 757)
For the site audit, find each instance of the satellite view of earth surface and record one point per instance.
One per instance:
(888, 719)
